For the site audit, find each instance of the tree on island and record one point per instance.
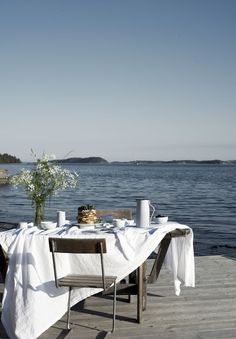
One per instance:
(8, 159)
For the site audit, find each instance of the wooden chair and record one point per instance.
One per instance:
(159, 258)
(79, 280)
(124, 288)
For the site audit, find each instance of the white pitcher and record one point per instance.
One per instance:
(143, 218)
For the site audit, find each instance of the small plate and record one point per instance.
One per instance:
(86, 226)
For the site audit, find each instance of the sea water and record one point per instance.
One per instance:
(201, 196)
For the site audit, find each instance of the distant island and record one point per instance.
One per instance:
(8, 159)
(99, 160)
(88, 160)
(177, 162)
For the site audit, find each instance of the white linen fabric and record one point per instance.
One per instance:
(32, 303)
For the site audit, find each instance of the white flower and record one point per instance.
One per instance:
(45, 179)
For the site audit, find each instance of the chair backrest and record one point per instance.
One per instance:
(115, 213)
(69, 245)
(72, 245)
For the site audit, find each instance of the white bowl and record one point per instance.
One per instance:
(48, 225)
(119, 222)
(162, 220)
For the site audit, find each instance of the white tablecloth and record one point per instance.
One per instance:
(32, 303)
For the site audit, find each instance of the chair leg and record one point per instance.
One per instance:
(68, 309)
(114, 309)
(144, 286)
(131, 279)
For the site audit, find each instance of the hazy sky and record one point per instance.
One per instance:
(120, 79)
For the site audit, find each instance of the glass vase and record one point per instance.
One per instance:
(39, 213)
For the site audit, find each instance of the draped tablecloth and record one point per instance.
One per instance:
(32, 303)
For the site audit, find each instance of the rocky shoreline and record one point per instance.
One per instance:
(4, 178)
(5, 226)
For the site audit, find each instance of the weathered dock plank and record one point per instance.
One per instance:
(206, 311)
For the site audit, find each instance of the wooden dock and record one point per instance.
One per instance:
(206, 311)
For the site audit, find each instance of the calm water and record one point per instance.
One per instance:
(201, 196)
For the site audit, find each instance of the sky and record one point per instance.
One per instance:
(120, 79)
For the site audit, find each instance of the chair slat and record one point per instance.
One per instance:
(86, 281)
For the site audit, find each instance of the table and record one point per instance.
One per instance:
(32, 303)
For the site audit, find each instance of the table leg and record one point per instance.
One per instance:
(140, 293)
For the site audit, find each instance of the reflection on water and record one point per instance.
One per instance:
(200, 196)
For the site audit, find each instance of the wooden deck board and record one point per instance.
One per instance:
(206, 311)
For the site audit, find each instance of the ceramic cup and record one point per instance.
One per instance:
(61, 218)
(129, 222)
(23, 224)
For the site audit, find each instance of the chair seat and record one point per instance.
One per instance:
(77, 280)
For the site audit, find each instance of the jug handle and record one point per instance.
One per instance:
(153, 211)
